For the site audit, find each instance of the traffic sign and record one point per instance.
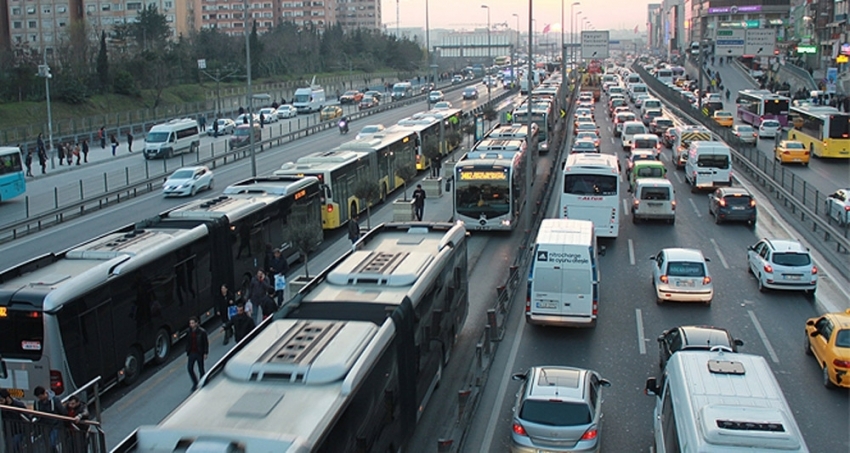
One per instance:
(729, 42)
(760, 42)
(563, 113)
(594, 44)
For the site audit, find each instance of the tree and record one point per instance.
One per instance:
(151, 29)
(489, 112)
(304, 238)
(367, 191)
(406, 172)
(431, 151)
(102, 63)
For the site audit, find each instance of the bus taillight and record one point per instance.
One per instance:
(330, 208)
(56, 382)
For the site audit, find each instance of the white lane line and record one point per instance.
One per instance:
(641, 338)
(612, 140)
(694, 205)
(631, 252)
(678, 177)
(763, 337)
(719, 253)
(625, 207)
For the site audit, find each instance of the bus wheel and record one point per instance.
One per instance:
(161, 346)
(133, 366)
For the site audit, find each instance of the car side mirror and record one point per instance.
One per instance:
(660, 338)
(651, 388)
(751, 248)
(814, 334)
(518, 377)
(738, 342)
(810, 323)
(602, 250)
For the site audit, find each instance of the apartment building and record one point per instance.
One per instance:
(353, 14)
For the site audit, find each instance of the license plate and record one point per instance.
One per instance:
(738, 208)
(688, 283)
(549, 305)
(654, 204)
(792, 277)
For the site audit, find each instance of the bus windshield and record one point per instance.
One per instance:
(839, 126)
(10, 163)
(590, 185)
(488, 198)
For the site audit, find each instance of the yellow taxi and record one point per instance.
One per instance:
(330, 112)
(828, 339)
(790, 151)
(723, 118)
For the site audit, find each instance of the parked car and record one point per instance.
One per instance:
(769, 128)
(470, 93)
(351, 97)
(330, 112)
(838, 206)
(241, 136)
(745, 133)
(782, 264)
(225, 127)
(286, 111)
(435, 96)
(790, 151)
(558, 409)
(694, 338)
(680, 274)
(732, 204)
(368, 102)
(828, 340)
(188, 181)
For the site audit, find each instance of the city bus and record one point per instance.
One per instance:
(517, 131)
(347, 366)
(12, 180)
(502, 61)
(754, 106)
(426, 126)
(541, 112)
(592, 192)
(108, 306)
(490, 189)
(374, 158)
(824, 130)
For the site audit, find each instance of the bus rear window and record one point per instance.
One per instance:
(839, 126)
(776, 107)
(22, 334)
(590, 185)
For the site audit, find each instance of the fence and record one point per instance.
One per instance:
(29, 431)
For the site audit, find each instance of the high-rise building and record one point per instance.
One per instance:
(353, 14)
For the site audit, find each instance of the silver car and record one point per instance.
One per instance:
(558, 409)
(681, 275)
(745, 133)
(188, 181)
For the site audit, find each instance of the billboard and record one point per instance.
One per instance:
(760, 42)
(594, 44)
(730, 42)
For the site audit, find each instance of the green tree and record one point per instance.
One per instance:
(303, 237)
(102, 63)
(151, 29)
(406, 172)
(431, 151)
(367, 191)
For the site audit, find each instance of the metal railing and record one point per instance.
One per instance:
(31, 431)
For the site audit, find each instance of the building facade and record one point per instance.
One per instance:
(653, 27)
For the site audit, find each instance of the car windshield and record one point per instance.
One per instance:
(555, 413)
(745, 129)
(241, 131)
(794, 145)
(157, 137)
(722, 114)
(183, 174)
(792, 259)
(328, 109)
(370, 129)
(685, 269)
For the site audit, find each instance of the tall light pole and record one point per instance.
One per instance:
(572, 31)
(44, 71)
(250, 89)
(578, 37)
(489, 58)
(427, 37)
(514, 64)
(528, 161)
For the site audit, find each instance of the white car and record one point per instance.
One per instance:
(769, 128)
(188, 181)
(681, 275)
(370, 129)
(226, 126)
(243, 119)
(838, 206)
(286, 111)
(782, 264)
(269, 115)
(435, 96)
(445, 105)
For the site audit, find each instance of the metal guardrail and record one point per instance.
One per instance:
(797, 196)
(60, 214)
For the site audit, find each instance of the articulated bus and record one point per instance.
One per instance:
(755, 106)
(108, 306)
(592, 192)
(426, 126)
(490, 189)
(541, 112)
(12, 180)
(517, 131)
(347, 366)
(373, 158)
(824, 130)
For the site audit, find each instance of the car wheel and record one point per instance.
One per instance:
(194, 191)
(808, 346)
(750, 269)
(826, 381)
(809, 293)
(762, 288)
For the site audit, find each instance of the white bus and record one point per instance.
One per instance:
(490, 189)
(664, 75)
(591, 191)
(347, 366)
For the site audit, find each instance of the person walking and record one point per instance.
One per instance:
(60, 153)
(262, 120)
(42, 160)
(85, 150)
(77, 153)
(277, 268)
(130, 141)
(241, 324)
(28, 162)
(215, 128)
(69, 153)
(101, 135)
(202, 122)
(50, 405)
(197, 350)
(40, 143)
(226, 310)
(114, 142)
(418, 202)
(257, 291)
(353, 230)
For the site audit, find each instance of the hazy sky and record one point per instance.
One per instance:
(603, 14)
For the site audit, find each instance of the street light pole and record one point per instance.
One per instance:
(427, 35)
(572, 33)
(489, 58)
(250, 90)
(44, 71)
(528, 161)
(515, 58)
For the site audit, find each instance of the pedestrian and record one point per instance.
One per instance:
(14, 435)
(76, 409)
(257, 291)
(278, 267)
(197, 350)
(101, 134)
(353, 230)
(69, 153)
(130, 141)
(267, 303)
(225, 310)
(241, 323)
(28, 162)
(114, 142)
(262, 120)
(215, 128)
(85, 150)
(418, 202)
(50, 405)
(202, 121)
(77, 153)
(40, 144)
(60, 153)
(42, 160)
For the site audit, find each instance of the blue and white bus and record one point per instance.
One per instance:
(12, 181)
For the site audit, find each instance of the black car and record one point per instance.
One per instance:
(470, 93)
(659, 125)
(583, 146)
(732, 204)
(693, 338)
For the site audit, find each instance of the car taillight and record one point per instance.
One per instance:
(805, 153)
(57, 384)
(590, 434)
(768, 268)
(664, 279)
(721, 202)
(752, 203)
(814, 270)
(673, 205)
(847, 207)
(706, 280)
(519, 430)
(841, 363)
(637, 203)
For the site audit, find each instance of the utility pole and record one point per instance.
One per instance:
(250, 89)
(528, 170)
(489, 58)
(217, 78)
(44, 71)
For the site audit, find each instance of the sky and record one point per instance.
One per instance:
(468, 14)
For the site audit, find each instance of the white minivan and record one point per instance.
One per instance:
(653, 199)
(650, 104)
(637, 89)
(174, 137)
(630, 129)
(563, 280)
(708, 165)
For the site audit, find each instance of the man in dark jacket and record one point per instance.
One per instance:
(197, 349)
(258, 289)
(241, 323)
(14, 438)
(226, 308)
(51, 405)
(278, 266)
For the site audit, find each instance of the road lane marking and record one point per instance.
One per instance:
(694, 205)
(612, 140)
(631, 252)
(641, 338)
(678, 177)
(719, 253)
(625, 207)
(763, 337)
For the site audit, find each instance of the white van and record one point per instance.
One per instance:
(309, 99)
(637, 89)
(401, 90)
(653, 199)
(650, 104)
(708, 165)
(630, 129)
(563, 281)
(174, 137)
(720, 401)
(633, 78)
